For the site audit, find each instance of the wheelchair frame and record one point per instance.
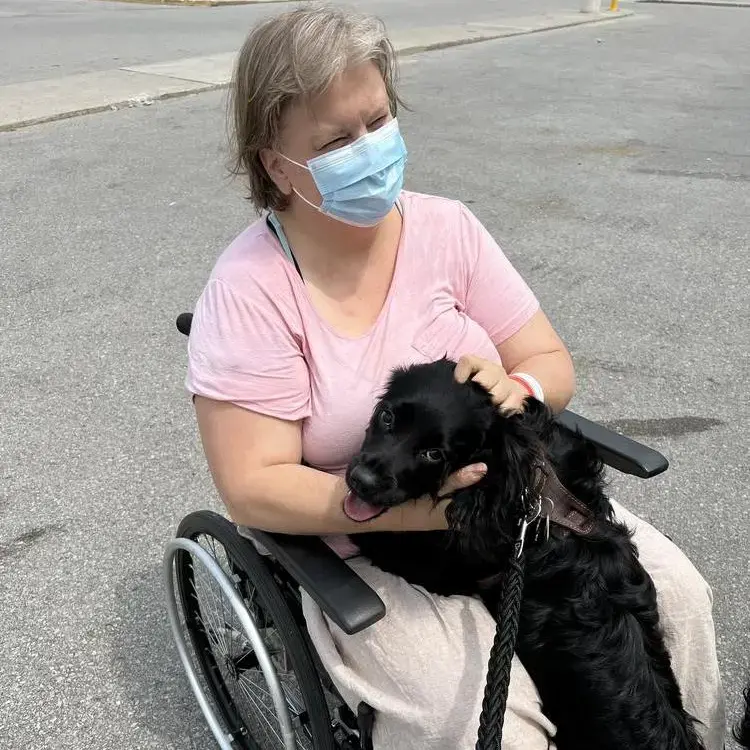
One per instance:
(307, 563)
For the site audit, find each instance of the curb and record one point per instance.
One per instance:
(37, 102)
(140, 101)
(488, 31)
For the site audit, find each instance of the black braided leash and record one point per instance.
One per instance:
(572, 515)
(501, 656)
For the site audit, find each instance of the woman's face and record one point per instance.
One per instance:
(356, 103)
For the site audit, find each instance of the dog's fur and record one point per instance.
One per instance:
(589, 632)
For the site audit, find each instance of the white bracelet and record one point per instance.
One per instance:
(533, 383)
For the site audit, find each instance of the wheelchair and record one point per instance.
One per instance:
(234, 605)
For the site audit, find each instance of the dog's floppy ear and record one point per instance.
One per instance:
(484, 521)
(467, 507)
(471, 444)
(486, 515)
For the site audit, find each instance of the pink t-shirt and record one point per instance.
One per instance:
(257, 341)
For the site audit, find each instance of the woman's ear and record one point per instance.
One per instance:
(277, 169)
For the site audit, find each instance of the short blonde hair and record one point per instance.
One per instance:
(290, 58)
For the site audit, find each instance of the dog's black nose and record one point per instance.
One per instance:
(363, 480)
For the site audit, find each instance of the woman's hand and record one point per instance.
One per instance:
(425, 514)
(507, 394)
(463, 478)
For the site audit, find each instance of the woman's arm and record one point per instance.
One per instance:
(255, 464)
(535, 349)
(499, 300)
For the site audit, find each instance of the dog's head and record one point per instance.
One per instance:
(425, 427)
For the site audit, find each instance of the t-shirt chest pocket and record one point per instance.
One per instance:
(440, 333)
(452, 333)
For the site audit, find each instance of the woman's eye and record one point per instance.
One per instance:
(386, 418)
(342, 140)
(331, 144)
(432, 456)
(375, 124)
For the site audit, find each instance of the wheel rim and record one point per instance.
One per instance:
(232, 657)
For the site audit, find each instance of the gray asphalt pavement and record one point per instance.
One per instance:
(613, 165)
(49, 38)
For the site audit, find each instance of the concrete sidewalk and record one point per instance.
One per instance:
(200, 2)
(34, 102)
(724, 3)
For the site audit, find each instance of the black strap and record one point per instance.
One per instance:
(270, 225)
(284, 242)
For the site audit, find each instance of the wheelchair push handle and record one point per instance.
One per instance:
(184, 322)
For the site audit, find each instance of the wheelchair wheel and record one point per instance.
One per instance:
(254, 659)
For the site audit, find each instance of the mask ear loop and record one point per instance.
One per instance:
(309, 203)
(296, 163)
(294, 189)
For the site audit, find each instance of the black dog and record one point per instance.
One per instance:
(589, 632)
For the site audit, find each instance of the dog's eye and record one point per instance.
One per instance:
(386, 418)
(432, 456)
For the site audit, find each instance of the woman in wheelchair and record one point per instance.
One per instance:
(345, 276)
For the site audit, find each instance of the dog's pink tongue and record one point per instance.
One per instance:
(359, 510)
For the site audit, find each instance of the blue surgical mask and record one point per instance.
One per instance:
(360, 183)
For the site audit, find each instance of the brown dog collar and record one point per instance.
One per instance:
(559, 505)
(548, 501)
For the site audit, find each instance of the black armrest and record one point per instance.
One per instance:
(337, 589)
(619, 452)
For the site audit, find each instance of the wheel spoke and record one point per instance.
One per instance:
(294, 704)
(292, 701)
(224, 622)
(262, 711)
(259, 712)
(221, 598)
(297, 709)
(247, 661)
(212, 623)
(210, 626)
